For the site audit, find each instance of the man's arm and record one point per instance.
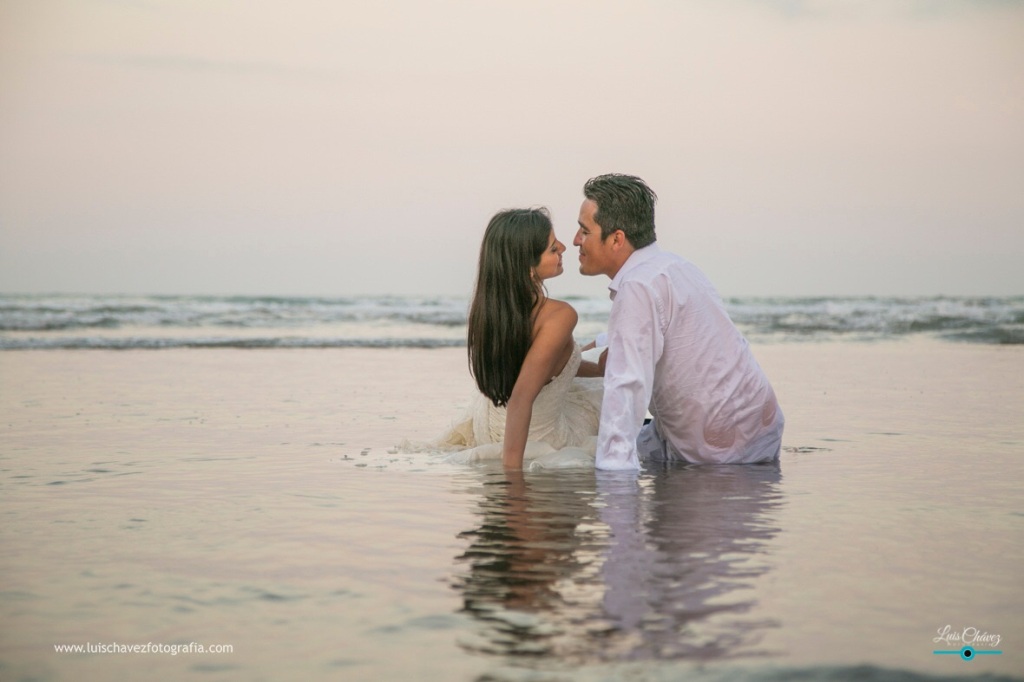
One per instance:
(593, 369)
(635, 343)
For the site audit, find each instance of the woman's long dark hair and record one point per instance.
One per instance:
(501, 314)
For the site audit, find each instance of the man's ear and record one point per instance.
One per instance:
(618, 239)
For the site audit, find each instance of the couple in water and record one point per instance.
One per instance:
(671, 349)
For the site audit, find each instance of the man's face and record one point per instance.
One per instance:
(595, 253)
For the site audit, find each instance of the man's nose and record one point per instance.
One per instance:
(576, 241)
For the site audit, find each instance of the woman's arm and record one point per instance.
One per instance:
(553, 336)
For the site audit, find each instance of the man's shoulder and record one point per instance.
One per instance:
(666, 278)
(652, 263)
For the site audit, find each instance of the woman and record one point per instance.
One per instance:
(521, 351)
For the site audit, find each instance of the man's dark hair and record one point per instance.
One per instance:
(624, 202)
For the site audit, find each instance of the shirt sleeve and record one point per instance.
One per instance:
(635, 343)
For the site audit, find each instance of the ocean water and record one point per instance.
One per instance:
(212, 494)
(123, 322)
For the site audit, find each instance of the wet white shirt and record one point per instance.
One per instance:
(672, 349)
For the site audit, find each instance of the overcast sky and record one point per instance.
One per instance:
(800, 147)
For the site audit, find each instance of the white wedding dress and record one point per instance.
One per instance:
(563, 428)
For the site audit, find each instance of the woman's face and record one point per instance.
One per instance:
(550, 264)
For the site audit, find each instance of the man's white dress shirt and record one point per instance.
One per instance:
(673, 349)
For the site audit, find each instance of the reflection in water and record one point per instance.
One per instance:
(533, 562)
(608, 566)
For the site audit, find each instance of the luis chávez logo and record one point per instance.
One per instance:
(971, 642)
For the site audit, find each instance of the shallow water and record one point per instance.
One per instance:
(250, 499)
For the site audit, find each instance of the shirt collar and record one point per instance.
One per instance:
(635, 260)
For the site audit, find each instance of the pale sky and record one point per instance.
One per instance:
(322, 147)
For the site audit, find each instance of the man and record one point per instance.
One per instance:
(672, 348)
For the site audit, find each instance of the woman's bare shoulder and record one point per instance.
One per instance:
(555, 309)
(558, 316)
